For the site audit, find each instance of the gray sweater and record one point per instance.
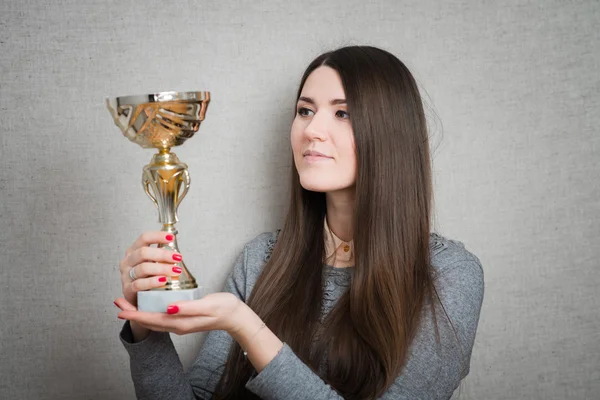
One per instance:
(433, 370)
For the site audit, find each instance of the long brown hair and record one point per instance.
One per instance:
(375, 321)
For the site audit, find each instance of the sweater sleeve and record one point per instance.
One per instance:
(433, 369)
(287, 377)
(156, 370)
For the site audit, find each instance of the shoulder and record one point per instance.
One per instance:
(448, 253)
(255, 255)
(459, 280)
(259, 249)
(456, 270)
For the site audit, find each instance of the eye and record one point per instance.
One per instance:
(304, 112)
(342, 114)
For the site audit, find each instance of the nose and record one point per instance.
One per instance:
(316, 129)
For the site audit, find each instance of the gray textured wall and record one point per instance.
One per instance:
(515, 86)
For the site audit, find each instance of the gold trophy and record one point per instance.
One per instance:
(161, 121)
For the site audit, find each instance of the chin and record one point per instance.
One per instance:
(316, 188)
(319, 184)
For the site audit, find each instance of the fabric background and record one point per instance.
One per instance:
(512, 93)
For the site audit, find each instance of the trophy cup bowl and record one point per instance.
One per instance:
(161, 121)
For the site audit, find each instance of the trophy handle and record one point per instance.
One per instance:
(185, 177)
(145, 184)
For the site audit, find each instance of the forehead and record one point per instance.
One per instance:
(324, 83)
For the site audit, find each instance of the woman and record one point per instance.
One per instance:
(354, 298)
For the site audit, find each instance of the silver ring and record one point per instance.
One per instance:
(132, 274)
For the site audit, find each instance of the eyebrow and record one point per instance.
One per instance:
(332, 102)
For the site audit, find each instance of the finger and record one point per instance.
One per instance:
(147, 269)
(123, 304)
(152, 237)
(144, 254)
(156, 321)
(148, 283)
(188, 308)
(161, 322)
(179, 325)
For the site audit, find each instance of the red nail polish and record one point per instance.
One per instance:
(115, 303)
(170, 237)
(177, 270)
(120, 317)
(177, 257)
(172, 310)
(162, 279)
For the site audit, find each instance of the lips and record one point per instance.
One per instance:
(313, 153)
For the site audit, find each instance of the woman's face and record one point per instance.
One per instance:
(322, 137)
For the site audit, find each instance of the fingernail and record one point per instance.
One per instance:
(120, 317)
(177, 270)
(177, 257)
(162, 279)
(170, 237)
(115, 303)
(172, 310)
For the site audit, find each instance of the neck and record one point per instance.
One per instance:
(340, 213)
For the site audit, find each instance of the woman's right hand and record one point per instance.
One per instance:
(151, 265)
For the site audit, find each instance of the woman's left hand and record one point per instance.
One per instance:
(216, 311)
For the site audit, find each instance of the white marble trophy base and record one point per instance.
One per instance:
(158, 300)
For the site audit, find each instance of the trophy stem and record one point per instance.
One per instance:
(166, 181)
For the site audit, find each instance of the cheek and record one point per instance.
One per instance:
(347, 150)
(295, 134)
(296, 140)
(350, 163)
